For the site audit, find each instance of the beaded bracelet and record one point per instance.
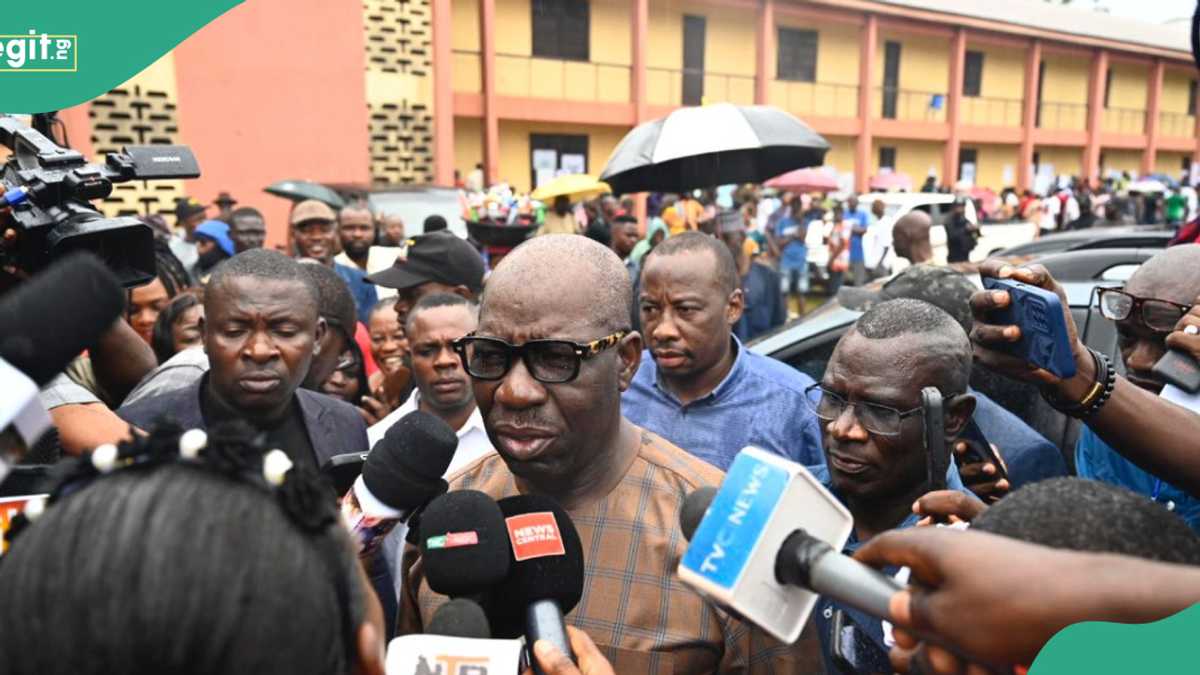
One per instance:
(1099, 393)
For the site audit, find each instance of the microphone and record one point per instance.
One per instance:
(41, 343)
(546, 579)
(461, 618)
(769, 541)
(401, 474)
(464, 544)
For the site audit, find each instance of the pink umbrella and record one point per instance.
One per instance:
(805, 180)
(886, 182)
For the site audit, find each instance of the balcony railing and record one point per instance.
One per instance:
(909, 104)
(1124, 121)
(1062, 116)
(535, 77)
(991, 112)
(819, 99)
(665, 86)
(1174, 124)
(468, 71)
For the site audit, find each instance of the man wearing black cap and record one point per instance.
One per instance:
(436, 263)
(189, 213)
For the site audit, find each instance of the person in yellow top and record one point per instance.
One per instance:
(560, 219)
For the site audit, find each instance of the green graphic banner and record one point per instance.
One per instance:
(1098, 647)
(61, 53)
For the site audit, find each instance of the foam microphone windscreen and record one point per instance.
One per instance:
(50, 319)
(547, 562)
(464, 545)
(404, 469)
(460, 618)
(694, 507)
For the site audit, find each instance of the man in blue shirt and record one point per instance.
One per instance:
(869, 404)
(790, 234)
(700, 388)
(313, 235)
(860, 222)
(762, 298)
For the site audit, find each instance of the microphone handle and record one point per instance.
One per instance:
(544, 621)
(806, 561)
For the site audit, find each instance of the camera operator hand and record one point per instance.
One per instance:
(996, 600)
(983, 478)
(986, 335)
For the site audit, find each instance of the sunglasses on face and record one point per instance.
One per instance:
(548, 361)
(1157, 315)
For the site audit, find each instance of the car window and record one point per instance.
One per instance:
(812, 358)
(1119, 272)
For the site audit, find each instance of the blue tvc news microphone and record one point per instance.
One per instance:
(769, 543)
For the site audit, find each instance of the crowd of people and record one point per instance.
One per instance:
(603, 363)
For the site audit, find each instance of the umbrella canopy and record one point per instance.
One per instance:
(300, 190)
(712, 145)
(805, 180)
(576, 187)
(1147, 186)
(885, 182)
(1164, 179)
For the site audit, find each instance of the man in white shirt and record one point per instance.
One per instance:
(356, 229)
(443, 389)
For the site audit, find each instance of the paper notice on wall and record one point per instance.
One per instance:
(543, 176)
(1007, 176)
(968, 174)
(545, 159)
(574, 164)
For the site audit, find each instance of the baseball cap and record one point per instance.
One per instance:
(441, 257)
(312, 209)
(942, 287)
(186, 207)
(218, 232)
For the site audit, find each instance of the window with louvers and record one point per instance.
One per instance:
(797, 55)
(561, 29)
(973, 74)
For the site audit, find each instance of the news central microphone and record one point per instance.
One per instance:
(401, 474)
(464, 544)
(87, 299)
(769, 541)
(461, 618)
(546, 579)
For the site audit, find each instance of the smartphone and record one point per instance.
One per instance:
(342, 470)
(1044, 339)
(979, 451)
(936, 454)
(1180, 369)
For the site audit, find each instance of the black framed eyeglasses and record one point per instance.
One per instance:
(548, 361)
(875, 418)
(1157, 315)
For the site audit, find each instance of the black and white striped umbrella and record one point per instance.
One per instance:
(712, 145)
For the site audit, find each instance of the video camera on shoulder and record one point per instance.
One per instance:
(49, 189)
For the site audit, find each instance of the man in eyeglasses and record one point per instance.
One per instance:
(873, 431)
(549, 360)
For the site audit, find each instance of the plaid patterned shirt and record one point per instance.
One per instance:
(633, 606)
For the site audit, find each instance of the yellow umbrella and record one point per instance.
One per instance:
(576, 187)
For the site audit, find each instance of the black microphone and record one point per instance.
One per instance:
(464, 544)
(546, 579)
(461, 618)
(401, 474)
(40, 340)
(808, 562)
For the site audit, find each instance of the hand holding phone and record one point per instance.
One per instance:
(1045, 339)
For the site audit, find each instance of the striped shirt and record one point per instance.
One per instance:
(633, 606)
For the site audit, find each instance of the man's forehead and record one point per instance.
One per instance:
(1176, 285)
(535, 312)
(261, 291)
(355, 217)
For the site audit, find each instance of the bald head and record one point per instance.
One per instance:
(573, 273)
(910, 236)
(1171, 275)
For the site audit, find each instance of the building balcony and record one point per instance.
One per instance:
(467, 69)
(524, 76)
(674, 87)
(1125, 121)
(909, 104)
(815, 99)
(1176, 125)
(991, 112)
(1058, 116)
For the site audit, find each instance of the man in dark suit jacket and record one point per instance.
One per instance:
(261, 331)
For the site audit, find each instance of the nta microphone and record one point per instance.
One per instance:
(769, 541)
(546, 579)
(461, 618)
